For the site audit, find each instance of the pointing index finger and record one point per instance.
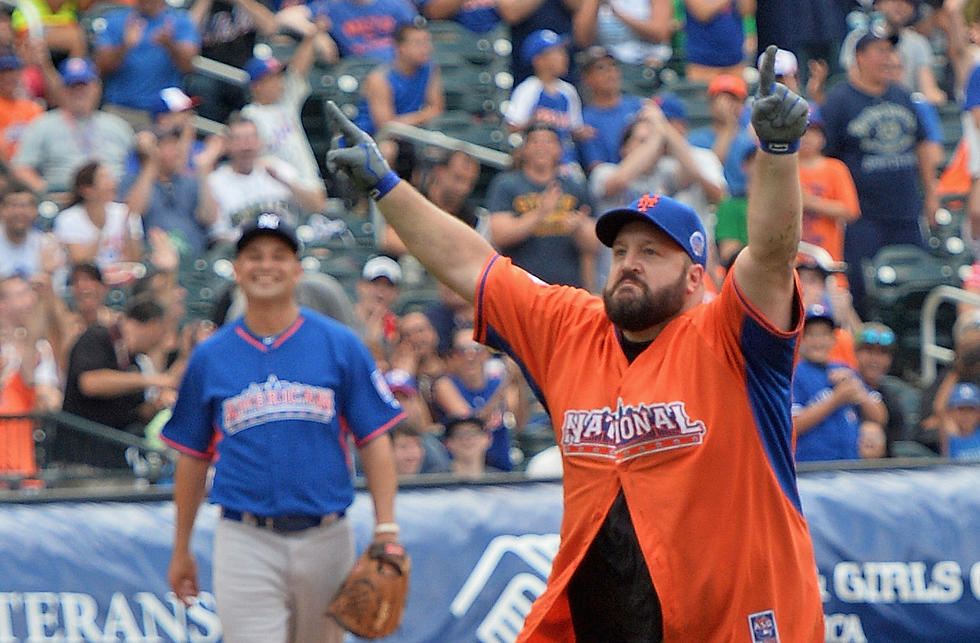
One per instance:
(339, 121)
(767, 71)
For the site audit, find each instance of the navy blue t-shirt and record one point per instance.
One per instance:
(876, 137)
(549, 253)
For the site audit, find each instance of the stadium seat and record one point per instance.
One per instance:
(698, 112)
(946, 235)
(952, 126)
(451, 40)
(897, 280)
(341, 82)
(451, 122)
(687, 90)
(639, 80)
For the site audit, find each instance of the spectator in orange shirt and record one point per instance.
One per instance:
(28, 371)
(15, 110)
(830, 200)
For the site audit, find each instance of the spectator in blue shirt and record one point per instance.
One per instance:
(961, 439)
(606, 109)
(141, 51)
(830, 400)
(367, 27)
(727, 136)
(165, 195)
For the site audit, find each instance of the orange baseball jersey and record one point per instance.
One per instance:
(697, 431)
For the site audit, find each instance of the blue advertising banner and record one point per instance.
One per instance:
(897, 552)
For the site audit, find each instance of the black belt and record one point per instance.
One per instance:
(281, 524)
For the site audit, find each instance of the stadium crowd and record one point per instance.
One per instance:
(129, 167)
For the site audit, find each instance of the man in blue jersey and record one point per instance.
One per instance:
(270, 400)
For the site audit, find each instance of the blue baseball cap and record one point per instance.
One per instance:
(964, 395)
(821, 312)
(10, 62)
(538, 41)
(679, 221)
(816, 119)
(259, 68)
(671, 105)
(75, 71)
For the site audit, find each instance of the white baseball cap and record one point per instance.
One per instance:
(785, 63)
(382, 266)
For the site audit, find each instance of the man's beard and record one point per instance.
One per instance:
(646, 309)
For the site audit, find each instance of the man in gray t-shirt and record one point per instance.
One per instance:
(541, 220)
(55, 144)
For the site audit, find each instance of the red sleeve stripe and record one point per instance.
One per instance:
(765, 323)
(200, 455)
(381, 430)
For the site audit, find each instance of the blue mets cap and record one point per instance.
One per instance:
(679, 221)
(821, 312)
(964, 395)
(259, 68)
(816, 118)
(10, 62)
(538, 41)
(75, 71)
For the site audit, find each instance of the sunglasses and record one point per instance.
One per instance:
(876, 337)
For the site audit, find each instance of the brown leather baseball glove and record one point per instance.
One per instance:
(371, 601)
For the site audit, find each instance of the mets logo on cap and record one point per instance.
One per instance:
(646, 202)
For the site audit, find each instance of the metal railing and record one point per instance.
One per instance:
(146, 462)
(931, 351)
(486, 155)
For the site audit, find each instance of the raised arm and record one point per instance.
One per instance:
(448, 248)
(764, 269)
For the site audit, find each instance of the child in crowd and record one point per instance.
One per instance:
(830, 400)
(467, 442)
(961, 439)
(830, 200)
(545, 97)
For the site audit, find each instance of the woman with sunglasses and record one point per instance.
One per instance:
(874, 346)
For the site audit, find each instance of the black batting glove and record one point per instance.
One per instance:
(779, 115)
(359, 157)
